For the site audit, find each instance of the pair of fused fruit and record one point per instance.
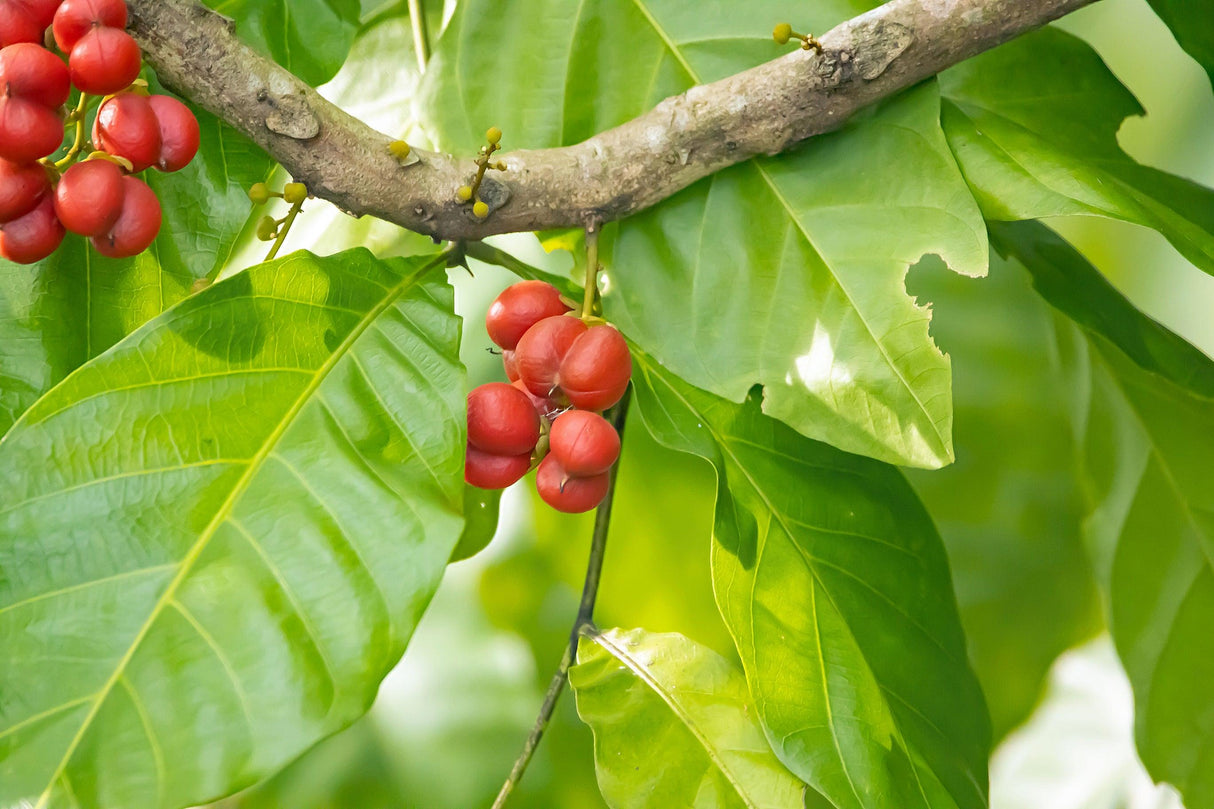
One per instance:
(561, 371)
(102, 57)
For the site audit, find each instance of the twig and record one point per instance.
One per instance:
(585, 618)
(421, 37)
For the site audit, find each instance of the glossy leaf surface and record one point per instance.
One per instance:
(673, 726)
(835, 586)
(218, 537)
(1034, 127)
(310, 38)
(771, 272)
(1148, 445)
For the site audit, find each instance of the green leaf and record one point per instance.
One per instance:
(1033, 125)
(310, 38)
(480, 522)
(1190, 24)
(61, 312)
(836, 588)
(1010, 509)
(674, 726)
(784, 272)
(218, 537)
(1147, 444)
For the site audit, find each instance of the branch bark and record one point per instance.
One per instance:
(762, 111)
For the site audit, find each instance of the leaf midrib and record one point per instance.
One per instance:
(224, 512)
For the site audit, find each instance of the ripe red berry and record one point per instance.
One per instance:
(541, 350)
(501, 420)
(519, 308)
(42, 12)
(127, 127)
(28, 130)
(509, 364)
(17, 24)
(104, 61)
(594, 373)
(565, 493)
(32, 237)
(22, 186)
(179, 135)
(486, 471)
(33, 73)
(585, 443)
(89, 197)
(74, 19)
(137, 224)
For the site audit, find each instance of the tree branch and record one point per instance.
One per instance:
(765, 110)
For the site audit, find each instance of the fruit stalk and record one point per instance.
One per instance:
(583, 621)
(592, 270)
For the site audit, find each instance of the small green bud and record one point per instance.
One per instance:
(399, 149)
(782, 33)
(480, 210)
(294, 193)
(267, 228)
(464, 193)
(259, 193)
(494, 135)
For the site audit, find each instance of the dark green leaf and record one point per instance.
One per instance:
(310, 38)
(1010, 509)
(674, 726)
(217, 537)
(480, 522)
(1190, 21)
(1034, 127)
(783, 272)
(1148, 445)
(835, 585)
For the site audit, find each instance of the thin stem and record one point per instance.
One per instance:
(78, 143)
(592, 270)
(585, 618)
(283, 229)
(421, 36)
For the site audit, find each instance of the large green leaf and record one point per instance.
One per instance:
(836, 588)
(1190, 23)
(784, 272)
(59, 313)
(310, 38)
(1148, 445)
(674, 726)
(1010, 509)
(216, 538)
(1033, 125)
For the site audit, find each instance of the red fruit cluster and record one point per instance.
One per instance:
(95, 198)
(563, 373)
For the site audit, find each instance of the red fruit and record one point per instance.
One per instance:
(501, 420)
(510, 365)
(566, 493)
(126, 126)
(544, 405)
(585, 443)
(28, 130)
(89, 197)
(74, 18)
(541, 350)
(32, 237)
(22, 186)
(486, 471)
(104, 61)
(17, 24)
(519, 308)
(594, 373)
(33, 73)
(179, 135)
(137, 224)
(42, 12)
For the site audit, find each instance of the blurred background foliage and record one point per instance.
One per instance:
(450, 719)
